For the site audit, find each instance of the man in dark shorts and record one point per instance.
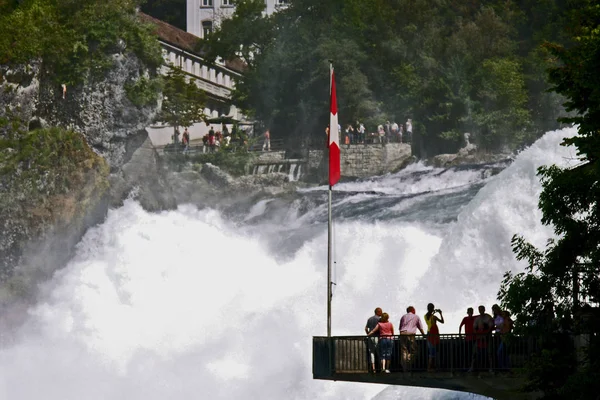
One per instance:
(373, 340)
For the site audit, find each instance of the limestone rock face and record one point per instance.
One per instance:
(47, 204)
(207, 185)
(142, 178)
(99, 109)
(216, 176)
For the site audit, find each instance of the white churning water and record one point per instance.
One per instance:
(188, 305)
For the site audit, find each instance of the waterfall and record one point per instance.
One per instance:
(291, 175)
(222, 304)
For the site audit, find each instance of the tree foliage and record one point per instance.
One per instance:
(452, 66)
(74, 39)
(183, 103)
(565, 275)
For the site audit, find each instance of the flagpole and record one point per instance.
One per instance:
(329, 222)
(329, 265)
(333, 144)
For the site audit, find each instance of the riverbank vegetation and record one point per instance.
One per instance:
(451, 66)
(49, 179)
(557, 296)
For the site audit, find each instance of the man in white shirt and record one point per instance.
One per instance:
(408, 127)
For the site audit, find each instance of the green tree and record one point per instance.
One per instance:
(567, 270)
(183, 102)
(453, 67)
(75, 40)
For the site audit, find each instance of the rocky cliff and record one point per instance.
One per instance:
(66, 155)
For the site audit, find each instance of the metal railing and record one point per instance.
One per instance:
(255, 146)
(350, 354)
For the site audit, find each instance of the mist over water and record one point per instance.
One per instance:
(201, 304)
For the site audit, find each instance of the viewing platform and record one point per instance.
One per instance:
(346, 358)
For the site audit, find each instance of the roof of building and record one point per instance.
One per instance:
(185, 40)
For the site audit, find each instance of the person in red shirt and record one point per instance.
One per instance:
(482, 329)
(386, 344)
(468, 322)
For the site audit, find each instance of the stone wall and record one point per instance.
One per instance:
(266, 157)
(360, 161)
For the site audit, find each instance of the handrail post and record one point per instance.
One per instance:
(452, 356)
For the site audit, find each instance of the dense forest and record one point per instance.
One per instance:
(453, 66)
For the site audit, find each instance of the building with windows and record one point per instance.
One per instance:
(215, 80)
(204, 15)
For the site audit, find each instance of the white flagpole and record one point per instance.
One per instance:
(329, 255)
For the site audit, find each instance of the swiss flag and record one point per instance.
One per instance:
(334, 136)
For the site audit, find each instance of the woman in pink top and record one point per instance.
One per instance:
(386, 334)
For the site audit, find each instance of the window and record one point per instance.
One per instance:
(207, 3)
(227, 3)
(207, 27)
(281, 2)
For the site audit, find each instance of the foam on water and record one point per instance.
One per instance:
(185, 305)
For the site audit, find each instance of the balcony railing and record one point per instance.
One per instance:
(454, 353)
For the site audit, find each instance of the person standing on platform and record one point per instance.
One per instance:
(386, 344)
(482, 328)
(372, 342)
(433, 334)
(185, 140)
(408, 131)
(468, 322)
(409, 323)
(267, 142)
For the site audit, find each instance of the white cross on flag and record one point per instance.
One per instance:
(334, 136)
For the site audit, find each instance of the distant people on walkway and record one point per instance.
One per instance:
(362, 133)
(433, 333)
(380, 136)
(175, 136)
(373, 341)
(386, 344)
(185, 140)
(468, 322)
(350, 134)
(409, 323)
(267, 141)
(387, 127)
(482, 328)
(408, 131)
(394, 132)
(212, 140)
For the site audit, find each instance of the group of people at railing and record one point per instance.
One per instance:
(385, 133)
(484, 338)
(213, 140)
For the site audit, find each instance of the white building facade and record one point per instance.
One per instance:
(204, 15)
(215, 80)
